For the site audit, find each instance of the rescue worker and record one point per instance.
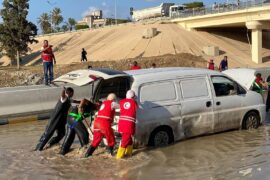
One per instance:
(48, 59)
(75, 125)
(103, 125)
(135, 66)
(259, 83)
(211, 65)
(58, 120)
(126, 124)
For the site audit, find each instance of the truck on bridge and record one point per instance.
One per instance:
(158, 11)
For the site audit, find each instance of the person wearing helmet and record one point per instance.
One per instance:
(126, 125)
(103, 125)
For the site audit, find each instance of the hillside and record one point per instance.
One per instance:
(125, 42)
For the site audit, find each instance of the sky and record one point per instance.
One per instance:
(78, 8)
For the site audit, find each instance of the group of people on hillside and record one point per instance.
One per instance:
(72, 117)
(222, 66)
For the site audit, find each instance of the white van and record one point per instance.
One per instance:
(177, 103)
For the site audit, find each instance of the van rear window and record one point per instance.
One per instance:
(156, 92)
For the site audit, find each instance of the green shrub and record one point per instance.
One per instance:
(194, 4)
(81, 26)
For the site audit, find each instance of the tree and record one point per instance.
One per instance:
(44, 22)
(57, 18)
(71, 23)
(65, 27)
(16, 31)
(195, 4)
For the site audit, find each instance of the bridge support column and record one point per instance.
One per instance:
(256, 37)
(256, 45)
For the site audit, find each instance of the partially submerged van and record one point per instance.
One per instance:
(177, 103)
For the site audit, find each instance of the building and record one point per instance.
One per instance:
(95, 19)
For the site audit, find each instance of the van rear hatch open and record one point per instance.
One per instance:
(85, 76)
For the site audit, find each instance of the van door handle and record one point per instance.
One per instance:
(218, 103)
(208, 103)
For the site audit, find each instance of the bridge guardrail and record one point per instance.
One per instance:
(32, 102)
(220, 8)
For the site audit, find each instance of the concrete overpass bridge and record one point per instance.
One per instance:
(255, 18)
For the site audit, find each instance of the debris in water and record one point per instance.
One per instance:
(246, 171)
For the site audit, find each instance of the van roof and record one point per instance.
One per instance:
(83, 77)
(148, 75)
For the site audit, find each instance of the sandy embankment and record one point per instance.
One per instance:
(125, 41)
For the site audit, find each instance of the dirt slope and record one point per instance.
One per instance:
(124, 42)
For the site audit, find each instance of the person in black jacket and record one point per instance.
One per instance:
(57, 120)
(83, 55)
(268, 95)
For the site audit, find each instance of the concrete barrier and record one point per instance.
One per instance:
(31, 103)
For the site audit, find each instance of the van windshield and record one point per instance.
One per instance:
(118, 85)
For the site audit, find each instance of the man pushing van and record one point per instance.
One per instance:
(126, 125)
(103, 125)
(57, 120)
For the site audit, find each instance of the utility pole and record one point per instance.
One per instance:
(115, 11)
(52, 5)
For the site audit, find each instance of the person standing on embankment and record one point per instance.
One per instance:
(48, 59)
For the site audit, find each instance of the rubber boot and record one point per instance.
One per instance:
(120, 153)
(129, 150)
(90, 151)
(40, 146)
(110, 150)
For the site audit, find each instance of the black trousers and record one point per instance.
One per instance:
(74, 128)
(57, 127)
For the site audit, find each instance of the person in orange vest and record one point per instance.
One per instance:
(126, 124)
(48, 59)
(103, 125)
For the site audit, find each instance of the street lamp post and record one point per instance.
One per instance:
(115, 11)
(52, 5)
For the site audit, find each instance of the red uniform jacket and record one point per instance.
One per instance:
(105, 116)
(211, 66)
(135, 67)
(128, 108)
(47, 55)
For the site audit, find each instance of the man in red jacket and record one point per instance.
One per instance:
(126, 125)
(103, 125)
(48, 58)
(135, 66)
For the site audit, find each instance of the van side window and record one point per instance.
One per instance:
(224, 86)
(194, 88)
(119, 86)
(156, 92)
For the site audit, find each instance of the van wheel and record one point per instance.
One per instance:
(162, 136)
(251, 121)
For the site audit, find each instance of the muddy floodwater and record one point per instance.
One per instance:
(229, 155)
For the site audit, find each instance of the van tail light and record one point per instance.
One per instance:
(93, 77)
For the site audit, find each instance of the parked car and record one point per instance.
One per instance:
(177, 103)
